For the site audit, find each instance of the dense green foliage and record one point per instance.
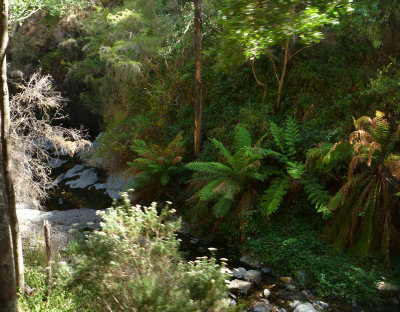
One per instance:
(318, 62)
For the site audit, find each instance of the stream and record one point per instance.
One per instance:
(254, 286)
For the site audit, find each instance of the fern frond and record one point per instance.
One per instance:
(279, 137)
(222, 207)
(318, 196)
(362, 123)
(223, 150)
(295, 169)
(273, 196)
(209, 167)
(208, 192)
(380, 127)
(292, 136)
(242, 138)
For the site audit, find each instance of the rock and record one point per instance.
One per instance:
(294, 304)
(194, 240)
(266, 293)
(263, 306)
(320, 305)
(291, 287)
(300, 276)
(201, 250)
(252, 276)
(86, 177)
(250, 262)
(73, 172)
(115, 183)
(305, 307)
(266, 270)
(283, 310)
(239, 272)
(388, 289)
(286, 280)
(239, 286)
(56, 162)
(31, 224)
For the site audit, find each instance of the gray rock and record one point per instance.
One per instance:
(266, 270)
(283, 310)
(239, 286)
(263, 306)
(73, 172)
(294, 304)
(86, 177)
(250, 262)
(56, 162)
(300, 276)
(305, 307)
(320, 305)
(31, 224)
(266, 293)
(239, 272)
(291, 287)
(252, 276)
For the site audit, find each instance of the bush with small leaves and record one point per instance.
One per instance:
(134, 264)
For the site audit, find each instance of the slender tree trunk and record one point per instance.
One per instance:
(264, 85)
(8, 293)
(282, 79)
(6, 153)
(198, 79)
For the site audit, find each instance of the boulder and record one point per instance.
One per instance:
(305, 307)
(239, 286)
(239, 272)
(252, 276)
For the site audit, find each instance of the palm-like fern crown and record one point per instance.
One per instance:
(156, 164)
(223, 182)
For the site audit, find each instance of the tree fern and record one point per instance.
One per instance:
(273, 196)
(242, 138)
(279, 137)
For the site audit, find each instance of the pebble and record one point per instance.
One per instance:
(286, 279)
(291, 287)
(266, 293)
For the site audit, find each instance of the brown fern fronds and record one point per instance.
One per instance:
(394, 166)
(353, 165)
(220, 186)
(372, 148)
(363, 136)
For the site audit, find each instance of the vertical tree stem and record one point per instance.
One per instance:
(49, 254)
(198, 78)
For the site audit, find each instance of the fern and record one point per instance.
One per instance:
(292, 136)
(273, 196)
(242, 138)
(318, 196)
(279, 138)
(295, 169)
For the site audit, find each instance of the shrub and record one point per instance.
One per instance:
(134, 264)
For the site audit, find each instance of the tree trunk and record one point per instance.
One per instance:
(198, 79)
(5, 146)
(8, 294)
(285, 61)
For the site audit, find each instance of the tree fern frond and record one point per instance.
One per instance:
(208, 192)
(242, 138)
(223, 150)
(209, 167)
(222, 207)
(295, 169)
(273, 196)
(292, 136)
(318, 196)
(279, 137)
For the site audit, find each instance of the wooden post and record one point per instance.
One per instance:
(198, 79)
(49, 254)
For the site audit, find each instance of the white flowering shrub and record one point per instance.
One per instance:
(134, 264)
